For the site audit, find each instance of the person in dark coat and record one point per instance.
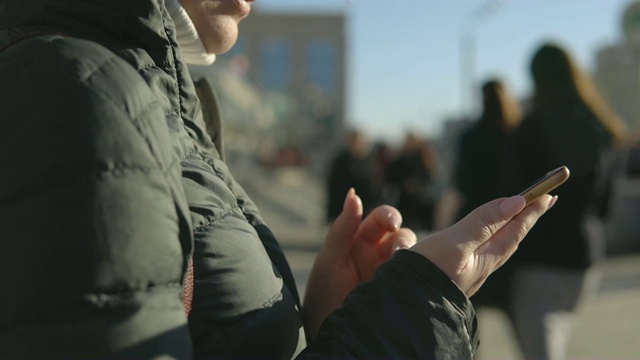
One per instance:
(352, 167)
(569, 124)
(481, 168)
(413, 172)
(114, 198)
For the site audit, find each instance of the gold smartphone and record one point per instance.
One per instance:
(544, 185)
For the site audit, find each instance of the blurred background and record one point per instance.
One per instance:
(308, 79)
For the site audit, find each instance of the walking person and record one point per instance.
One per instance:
(481, 168)
(351, 167)
(413, 173)
(553, 273)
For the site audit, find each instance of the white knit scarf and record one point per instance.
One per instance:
(190, 43)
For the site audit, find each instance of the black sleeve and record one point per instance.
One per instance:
(411, 309)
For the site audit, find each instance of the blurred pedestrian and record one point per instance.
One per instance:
(351, 167)
(482, 152)
(414, 172)
(383, 155)
(480, 170)
(568, 124)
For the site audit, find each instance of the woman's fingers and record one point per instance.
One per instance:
(495, 252)
(486, 220)
(473, 248)
(404, 238)
(505, 242)
(381, 221)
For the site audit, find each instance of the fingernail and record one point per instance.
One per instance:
(552, 202)
(395, 220)
(511, 206)
(346, 202)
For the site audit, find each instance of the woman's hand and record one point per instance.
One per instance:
(352, 251)
(470, 250)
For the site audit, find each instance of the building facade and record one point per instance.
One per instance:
(617, 72)
(617, 75)
(298, 60)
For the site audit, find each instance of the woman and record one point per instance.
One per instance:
(482, 151)
(481, 169)
(111, 187)
(569, 124)
(413, 172)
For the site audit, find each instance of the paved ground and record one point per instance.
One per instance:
(608, 325)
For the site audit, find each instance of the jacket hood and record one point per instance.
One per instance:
(139, 23)
(142, 32)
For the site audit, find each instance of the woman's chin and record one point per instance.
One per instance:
(219, 42)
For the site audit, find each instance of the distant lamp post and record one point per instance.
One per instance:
(468, 51)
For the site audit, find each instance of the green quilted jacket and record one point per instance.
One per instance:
(109, 183)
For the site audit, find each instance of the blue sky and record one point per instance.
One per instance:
(404, 68)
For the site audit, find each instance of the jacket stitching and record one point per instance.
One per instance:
(105, 297)
(123, 170)
(147, 67)
(30, 36)
(135, 118)
(210, 220)
(193, 151)
(274, 299)
(172, 65)
(214, 168)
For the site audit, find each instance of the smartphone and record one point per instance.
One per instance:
(544, 185)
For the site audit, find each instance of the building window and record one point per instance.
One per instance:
(322, 64)
(277, 64)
